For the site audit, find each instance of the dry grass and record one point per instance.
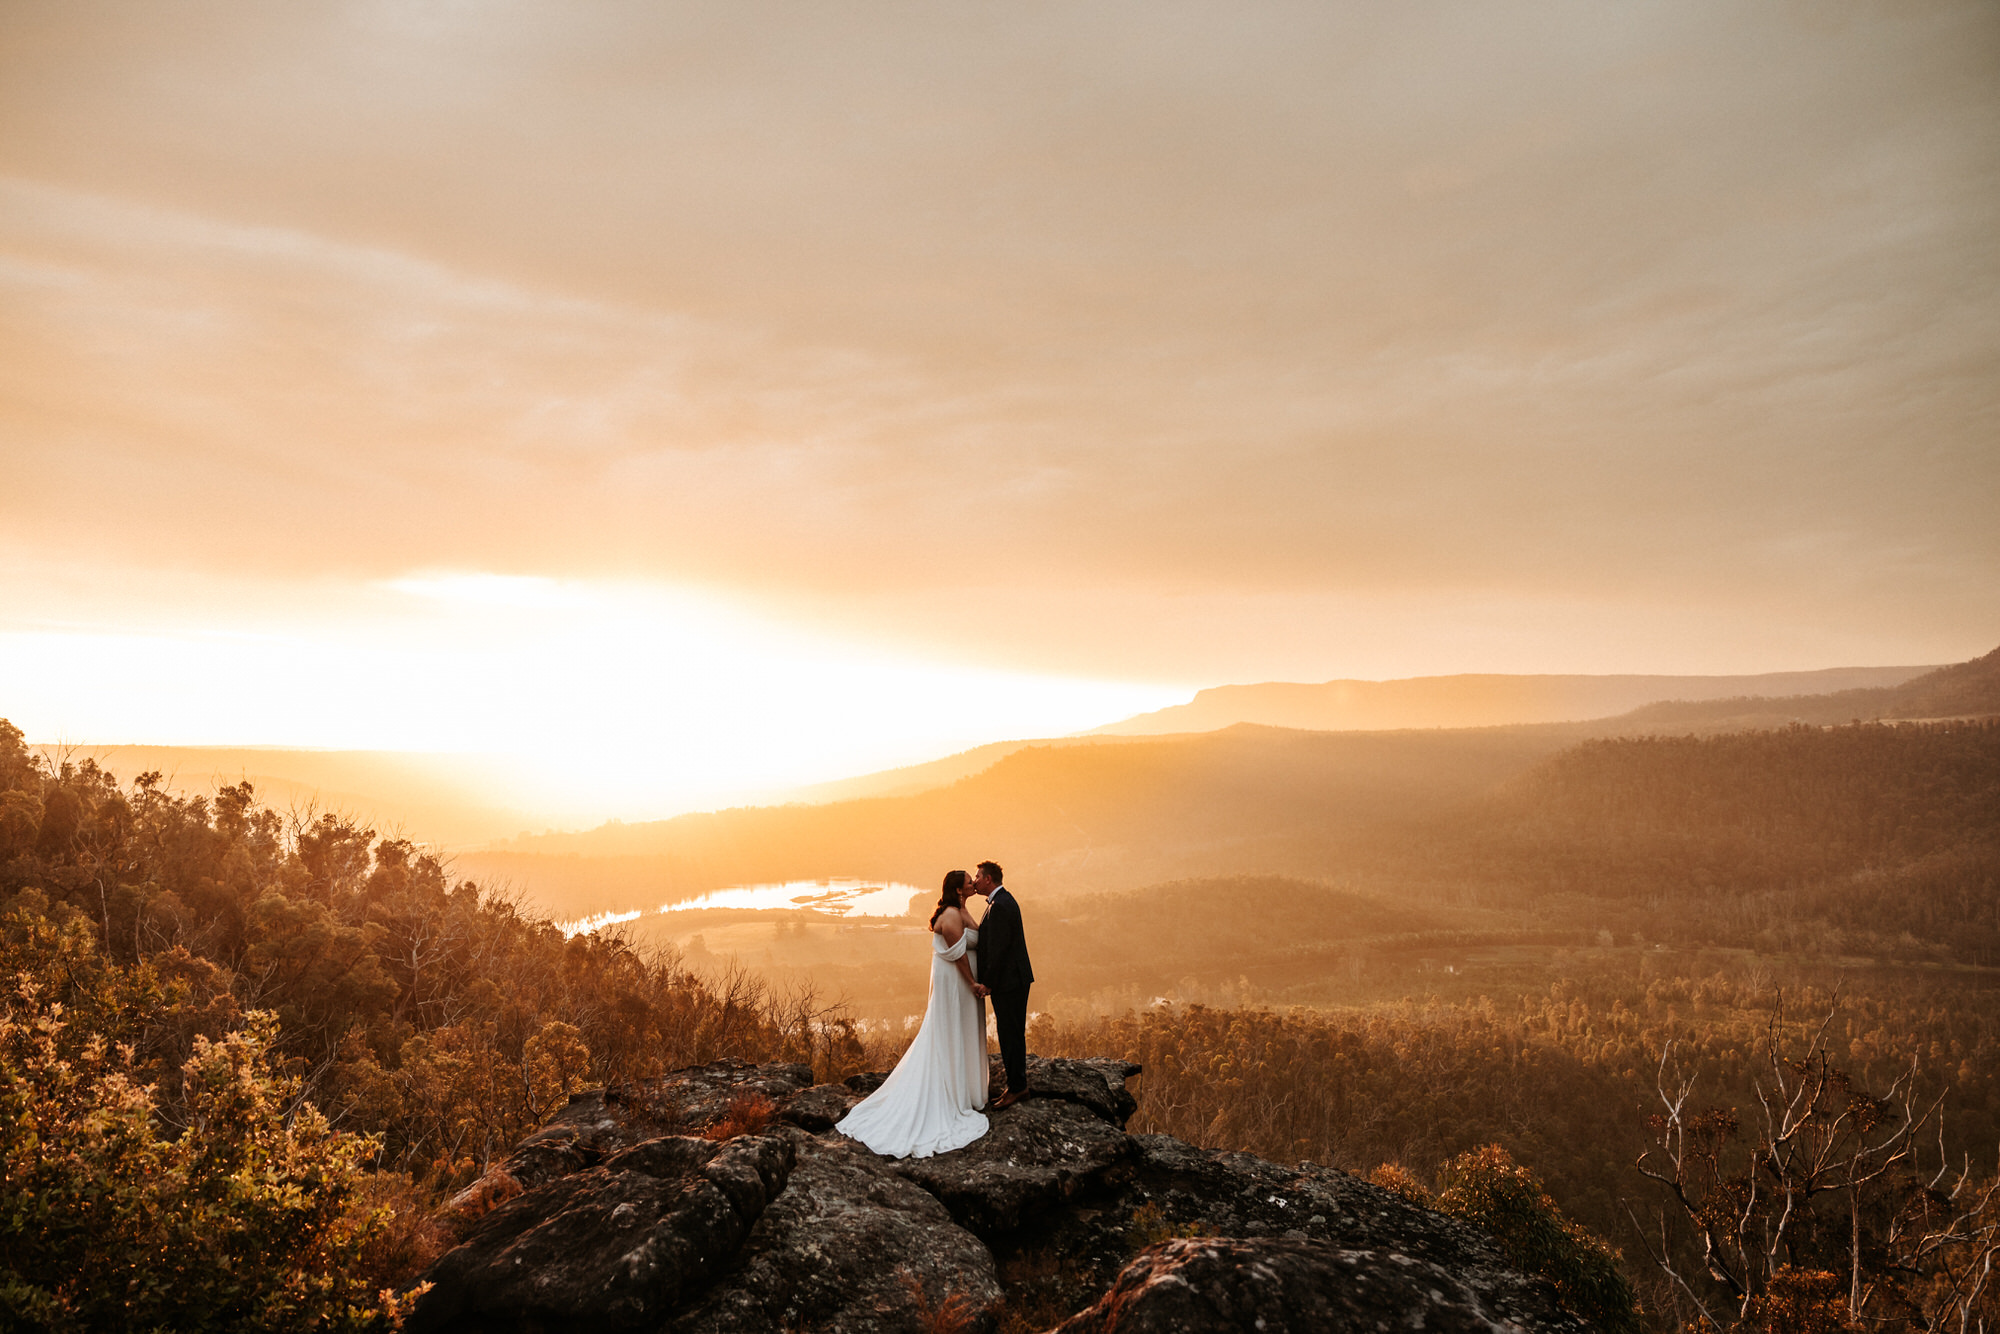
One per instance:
(954, 1315)
(1044, 1288)
(1400, 1179)
(411, 1232)
(750, 1113)
(1149, 1226)
(657, 1103)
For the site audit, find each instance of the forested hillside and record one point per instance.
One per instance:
(1479, 700)
(310, 1035)
(409, 1004)
(1876, 840)
(1416, 808)
(1864, 840)
(266, 1008)
(1870, 846)
(1118, 814)
(1962, 690)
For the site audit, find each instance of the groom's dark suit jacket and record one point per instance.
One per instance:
(1003, 953)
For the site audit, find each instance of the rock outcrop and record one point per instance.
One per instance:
(618, 1246)
(620, 1215)
(1281, 1286)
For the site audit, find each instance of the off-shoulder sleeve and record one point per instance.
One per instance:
(956, 952)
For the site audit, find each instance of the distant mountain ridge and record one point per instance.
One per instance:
(1485, 700)
(1115, 815)
(914, 778)
(1962, 690)
(1417, 811)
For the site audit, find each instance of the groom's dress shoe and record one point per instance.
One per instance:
(1008, 1099)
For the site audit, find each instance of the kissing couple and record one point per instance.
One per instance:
(932, 1101)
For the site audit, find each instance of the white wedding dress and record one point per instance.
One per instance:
(930, 1102)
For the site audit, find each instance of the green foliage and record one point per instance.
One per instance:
(243, 1216)
(243, 1055)
(1487, 1188)
(429, 1013)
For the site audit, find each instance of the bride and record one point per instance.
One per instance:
(930, 1102)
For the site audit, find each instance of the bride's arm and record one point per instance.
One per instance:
(951, 926)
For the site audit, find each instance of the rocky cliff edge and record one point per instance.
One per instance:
(630, 1210)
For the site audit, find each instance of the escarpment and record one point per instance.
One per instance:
(630, 1210)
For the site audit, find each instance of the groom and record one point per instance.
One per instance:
(1004, 972)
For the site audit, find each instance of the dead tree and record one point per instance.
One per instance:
(1834, 1212)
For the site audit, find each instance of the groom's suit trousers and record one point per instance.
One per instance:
(1010, 1018)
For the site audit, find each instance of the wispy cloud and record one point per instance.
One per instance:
(1076, 322)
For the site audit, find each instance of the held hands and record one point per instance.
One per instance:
(980, 990)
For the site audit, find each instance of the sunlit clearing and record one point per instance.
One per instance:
(593, 700)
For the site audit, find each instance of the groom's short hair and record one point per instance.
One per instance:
(991, 870)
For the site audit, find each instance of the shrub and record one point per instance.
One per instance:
(1402, 1181)
(750, 1113)
(1487, 1188)
(1150, 1225)
(1801, 1301)
(954, 1314)
(251, 1218)
(1044, 1287)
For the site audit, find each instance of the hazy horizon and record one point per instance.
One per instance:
(468, 800)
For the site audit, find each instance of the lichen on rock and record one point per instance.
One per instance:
(1058, 1215)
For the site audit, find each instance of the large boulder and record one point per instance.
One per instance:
(821, 1107)
(583, 1134)
(1239, 1194)
(1213, 1193)
(849, 1248)
(1035, 1156)
(1096, 1083)
(700, 1095)
(1038, 1155)
(609, 1248)
(612, 1217)
(1278, 1285)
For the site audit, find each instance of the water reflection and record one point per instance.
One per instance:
(836, 898)
(585, 925)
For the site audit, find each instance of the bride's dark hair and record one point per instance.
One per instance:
(953, 895)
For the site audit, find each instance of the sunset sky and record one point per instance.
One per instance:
(715, 396)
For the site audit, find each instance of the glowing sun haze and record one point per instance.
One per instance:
(751, 394)
(591, 700)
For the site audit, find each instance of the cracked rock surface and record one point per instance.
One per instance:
(619, 1246)
(848, 1246)
(618, 1216)
(1281, 1286)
